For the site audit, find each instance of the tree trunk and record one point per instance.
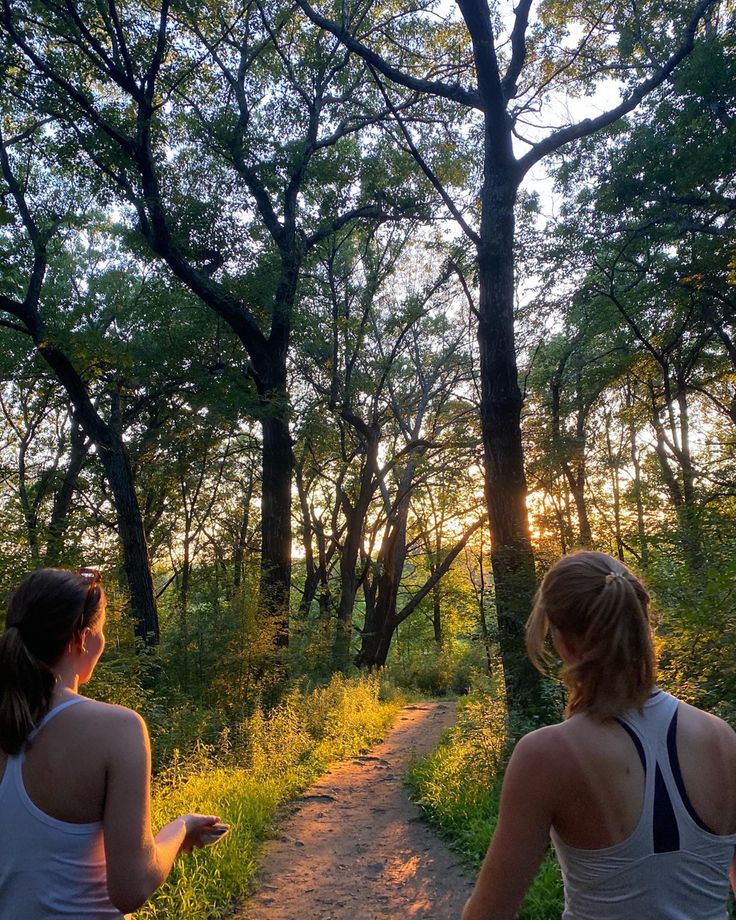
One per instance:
(355, 517)
(614, 462)
(108, 440)
(348, 589)
(30, 508)
(311, 575)
(484, 631)
(384, 624)
(636, 463)
(242, 541)
(378, 633)
(437, 615)
(576, 481)
(680, 481)
(117, 467)
(275, 579)
(572, 461)
(501, 403)
(689, 516)
(186, 571)
(63, 497)
(382, 621)
(325, 596)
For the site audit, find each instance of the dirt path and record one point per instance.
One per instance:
(356, 848)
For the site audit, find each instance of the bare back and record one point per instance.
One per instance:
(66, 765)
(597, 778)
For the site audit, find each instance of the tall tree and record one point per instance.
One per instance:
(512, 74)
(228, 133)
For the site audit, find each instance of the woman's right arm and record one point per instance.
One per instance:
(521, 837)
(138, 863)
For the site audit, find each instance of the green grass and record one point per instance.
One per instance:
(458, 788)
(245, 779)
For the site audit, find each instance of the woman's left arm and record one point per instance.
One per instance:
(521, 836)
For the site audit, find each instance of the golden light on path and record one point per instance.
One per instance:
(355, 848)
(399, 870)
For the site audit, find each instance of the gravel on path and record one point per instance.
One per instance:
(356, 848)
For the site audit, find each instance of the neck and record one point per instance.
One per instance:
(67, 679)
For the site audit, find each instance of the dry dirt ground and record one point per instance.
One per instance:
(355, 848)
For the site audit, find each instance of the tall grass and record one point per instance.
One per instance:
(246, 776)
(458, 788)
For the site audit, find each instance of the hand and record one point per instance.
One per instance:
(194, 825)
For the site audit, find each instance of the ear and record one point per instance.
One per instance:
(80, 640)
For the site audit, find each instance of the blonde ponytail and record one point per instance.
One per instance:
(597, 601)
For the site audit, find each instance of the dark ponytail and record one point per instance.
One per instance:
(26, 685)
(49, 609)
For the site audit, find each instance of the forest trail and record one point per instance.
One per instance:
(356, 846)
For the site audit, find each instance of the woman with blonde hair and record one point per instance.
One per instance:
(636, 789)
(75, 773)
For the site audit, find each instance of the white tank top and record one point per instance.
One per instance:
(671, 867)
(49, 869)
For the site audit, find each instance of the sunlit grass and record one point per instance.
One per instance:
(244, 779)
(458, 788)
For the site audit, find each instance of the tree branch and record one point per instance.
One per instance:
(424, 166)
(441, 570)
(590, 125)
(455, 92)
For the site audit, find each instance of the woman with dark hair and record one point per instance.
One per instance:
(75, 773)
(636, 789)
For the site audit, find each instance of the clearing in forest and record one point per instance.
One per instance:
(356, 847)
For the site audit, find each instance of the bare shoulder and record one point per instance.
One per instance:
(541, 738)
(536, 773)
(119, 715)
(706, 728)
(114, 727)
(544, 747)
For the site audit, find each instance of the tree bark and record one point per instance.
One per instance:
(275, 579)
(484, 631)
(355, 517)
(689, 514)
(381, 625)
(116, 463)
(512, 557)
(638, 485)
(680, 481)
(242, 538)
(79, 450)
(437, 615)
(113, 454)
(613, 464)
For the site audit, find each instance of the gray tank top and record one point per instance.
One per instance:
(49, 869)
(671, 867)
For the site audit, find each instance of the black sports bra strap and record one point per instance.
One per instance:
(677, 774)
(637, 742)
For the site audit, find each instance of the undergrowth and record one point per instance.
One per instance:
(246, 776)
(458, 788)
